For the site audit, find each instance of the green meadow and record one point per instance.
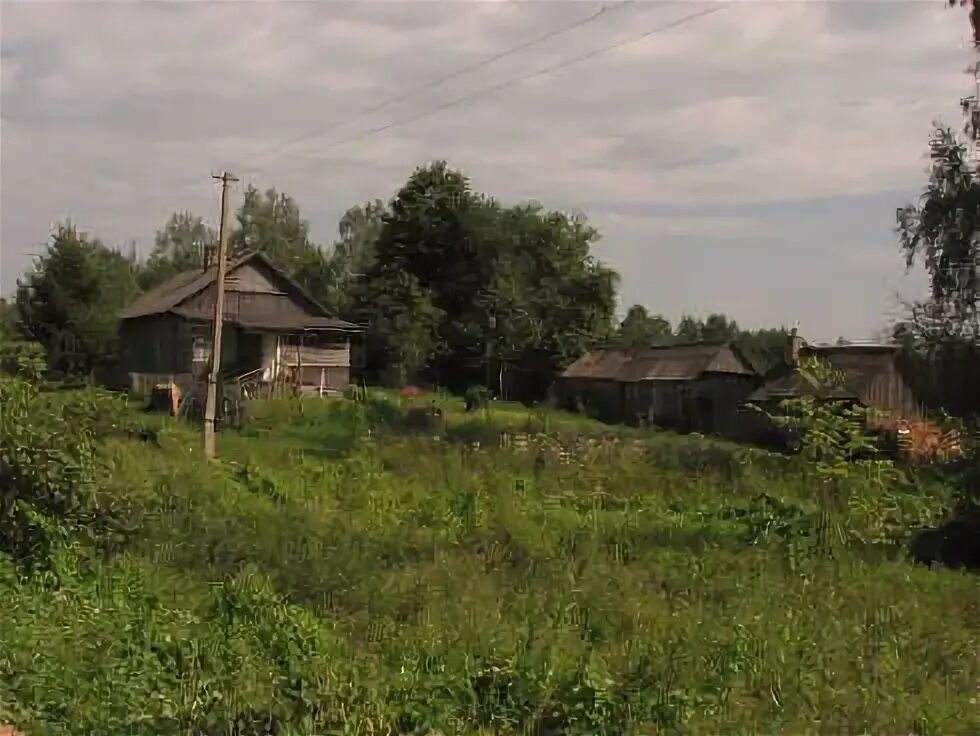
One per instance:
(341, 570)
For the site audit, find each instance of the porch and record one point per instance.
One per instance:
(263, 362)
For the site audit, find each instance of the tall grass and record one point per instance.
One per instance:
(338, 572)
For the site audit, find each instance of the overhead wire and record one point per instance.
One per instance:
(661, 28)
(525, 77)
(603, 11)
(484, 91)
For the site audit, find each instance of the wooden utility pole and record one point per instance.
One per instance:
(214, 368)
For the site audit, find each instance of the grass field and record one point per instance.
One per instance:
(340, 573)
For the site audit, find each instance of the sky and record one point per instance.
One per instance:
(744, 156)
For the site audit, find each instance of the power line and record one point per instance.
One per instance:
(496, 87)
(523, 78)
(604, 10)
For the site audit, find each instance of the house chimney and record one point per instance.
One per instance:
(793, 345)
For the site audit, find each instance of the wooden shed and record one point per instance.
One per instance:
(874, 377)
(693, 387)
(272, 329)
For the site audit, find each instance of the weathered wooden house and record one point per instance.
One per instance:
(694, 387)
(272, 330)
(874, 377)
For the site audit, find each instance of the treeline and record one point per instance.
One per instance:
(764, 348)
(455, 288)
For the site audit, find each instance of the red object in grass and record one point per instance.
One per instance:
(410, 392)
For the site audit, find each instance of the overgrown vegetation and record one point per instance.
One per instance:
(341, 572)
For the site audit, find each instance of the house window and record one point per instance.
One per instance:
(201, 349)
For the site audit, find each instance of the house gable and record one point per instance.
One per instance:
(254, 291)
(254, 278)
(729, 359)
(258, 295)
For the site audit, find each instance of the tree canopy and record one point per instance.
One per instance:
(485, 289)
(180, 245)
(640, 328)
(69, 303)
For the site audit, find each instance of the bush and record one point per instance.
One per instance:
(50, 496)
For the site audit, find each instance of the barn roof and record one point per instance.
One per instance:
(683, 362)
(168, 297)
(861, 363)
(605, 363)
(795, 384)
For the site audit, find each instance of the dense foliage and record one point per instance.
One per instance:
(70, 301)
(942, 231)
(463, 288)
(349, 574)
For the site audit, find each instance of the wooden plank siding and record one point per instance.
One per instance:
(312, 356)
(334, 378)
(878, 381)
(155, 344)
(889, 393)
(709, 405)
(248, 278)
(247, 305)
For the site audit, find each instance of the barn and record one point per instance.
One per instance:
(874, 377)
(692, 387)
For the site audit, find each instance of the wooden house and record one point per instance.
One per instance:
(272, 331)
(694, 387)
(873, 374)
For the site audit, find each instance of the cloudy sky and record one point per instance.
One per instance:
(748, 160)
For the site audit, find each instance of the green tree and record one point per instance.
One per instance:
(69, 302)
(640, 328)
(359, 229)
(941, 230)
(496, 286)
(178, 246)
(405, 325)
(268, 221)
(551, 300)
(689, 329)
(271, 222)
(718, 328)
(353, 254)
(765, 347)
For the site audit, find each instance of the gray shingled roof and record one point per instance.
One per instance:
(796, 384)
(861, 363)
(664, 363)
(168, 296)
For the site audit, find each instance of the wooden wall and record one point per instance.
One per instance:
(890, 392)
(710, 405)
(878, 380)
(602, 399)
(327, 349)
(154, 345)
(245, 306)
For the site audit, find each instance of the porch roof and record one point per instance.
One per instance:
(283, 324)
